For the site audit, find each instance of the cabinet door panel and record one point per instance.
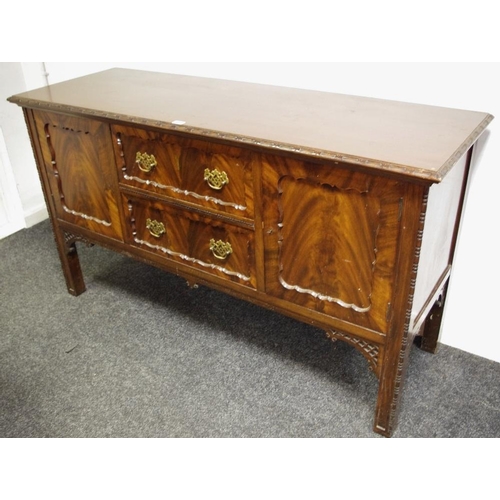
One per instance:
(331, 239)
(331, 252)
(79, 161)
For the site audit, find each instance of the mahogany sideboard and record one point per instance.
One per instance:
(339, 211)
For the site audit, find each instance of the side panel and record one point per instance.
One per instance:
(440, 231)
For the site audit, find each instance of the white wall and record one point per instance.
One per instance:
(473, 291)
(11, 210)
(20, 182)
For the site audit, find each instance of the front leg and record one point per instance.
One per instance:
(391, 385)
(70, 262)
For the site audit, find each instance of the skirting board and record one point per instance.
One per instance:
(36, 215)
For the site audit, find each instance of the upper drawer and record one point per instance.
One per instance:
(212, 175)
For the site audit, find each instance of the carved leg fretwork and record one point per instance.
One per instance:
(370, 351)
(390, 374)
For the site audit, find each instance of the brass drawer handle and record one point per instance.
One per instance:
(216, 179)
(220, 249)
(145, 162)
(155, 228)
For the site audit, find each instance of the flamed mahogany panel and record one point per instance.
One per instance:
(181, 166)
(331, 239)
(187, 236)
(331, 254)
(80, 164)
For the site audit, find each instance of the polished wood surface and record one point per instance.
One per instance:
(331, 237)
(181, 167)
(187, 237)
(77, 155)
(341, 212)
(420, 141)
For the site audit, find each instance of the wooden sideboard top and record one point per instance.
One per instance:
(415, 140)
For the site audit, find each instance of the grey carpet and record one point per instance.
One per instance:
(140, 354)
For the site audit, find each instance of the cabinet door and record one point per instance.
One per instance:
(331, 239)
(79, 161)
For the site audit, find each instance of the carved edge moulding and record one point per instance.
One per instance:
(262, 143)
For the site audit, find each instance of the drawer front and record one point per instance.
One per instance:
(189, 238)
(211, 175)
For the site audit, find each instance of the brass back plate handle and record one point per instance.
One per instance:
(145, 161)
(155, 228)
(215, 178)
(220, 249)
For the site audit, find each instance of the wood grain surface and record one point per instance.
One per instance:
(80, 166)
(187, 237)
(180, 170)
(410, 139)
(331, 238)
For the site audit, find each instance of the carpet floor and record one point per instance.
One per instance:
(140, 354)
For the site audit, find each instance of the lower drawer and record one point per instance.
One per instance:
(193, 239)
